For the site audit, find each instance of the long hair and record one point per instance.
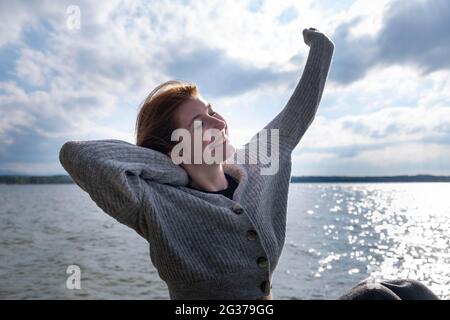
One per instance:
(155, 121)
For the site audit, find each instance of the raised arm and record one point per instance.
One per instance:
(113, 173)
(298, 114)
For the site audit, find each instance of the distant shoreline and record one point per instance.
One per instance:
(66, 179)
(344, 179)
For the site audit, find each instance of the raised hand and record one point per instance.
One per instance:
(311, 35)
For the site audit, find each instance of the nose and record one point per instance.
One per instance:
(218, 124)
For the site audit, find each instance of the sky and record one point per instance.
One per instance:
(385, 109)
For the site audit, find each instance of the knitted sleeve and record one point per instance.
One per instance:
(300, 110)
(110, 172)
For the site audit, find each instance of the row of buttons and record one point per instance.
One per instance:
(251, 234)
(262, 261)
(265, 285)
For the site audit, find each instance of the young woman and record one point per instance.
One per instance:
(215, 231)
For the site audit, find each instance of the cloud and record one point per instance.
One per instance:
(120, 53)
(255, 5)
(389, 126)
(353, 57)
(409, 158)
(417, 32)
(247, 56)
(220, 75)
(287, 15)
(388, 141)
(13, 15)
(412, 33)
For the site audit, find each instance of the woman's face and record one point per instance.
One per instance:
(197, 115)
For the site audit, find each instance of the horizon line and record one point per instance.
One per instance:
(306, 176)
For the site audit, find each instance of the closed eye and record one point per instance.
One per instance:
(211, 112)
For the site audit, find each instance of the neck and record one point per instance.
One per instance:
(206, 177)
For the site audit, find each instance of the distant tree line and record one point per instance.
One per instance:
(336, 179)
(66, 179)
(56, 179)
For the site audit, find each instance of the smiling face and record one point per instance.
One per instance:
(197, 115)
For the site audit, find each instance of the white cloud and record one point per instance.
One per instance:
(408, 153)
(371, 13)
(83, 80)
(386, 126)
(401, 159)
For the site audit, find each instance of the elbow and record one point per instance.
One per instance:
(67, 153)
(64, 151)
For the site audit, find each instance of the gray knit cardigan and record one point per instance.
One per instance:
(205, 245)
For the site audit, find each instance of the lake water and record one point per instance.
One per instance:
(337, 235)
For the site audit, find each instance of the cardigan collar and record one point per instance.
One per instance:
(160, 168)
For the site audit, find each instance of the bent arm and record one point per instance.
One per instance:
(300, 110)
(109, 171)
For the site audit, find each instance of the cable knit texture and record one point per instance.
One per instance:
(205, 246)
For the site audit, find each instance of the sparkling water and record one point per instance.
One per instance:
(337, 235)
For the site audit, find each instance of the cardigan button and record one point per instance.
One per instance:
(237, 209)
(262, 262)
(251, 235)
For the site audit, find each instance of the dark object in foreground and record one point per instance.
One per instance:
(401, 289)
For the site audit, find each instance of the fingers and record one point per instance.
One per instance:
(312, 35)
(309, 34)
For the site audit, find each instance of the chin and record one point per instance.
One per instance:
(229, 151)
